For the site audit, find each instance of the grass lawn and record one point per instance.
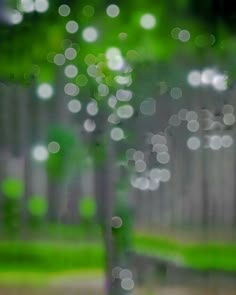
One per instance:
(201, 256)
(31, 262)
(52, 257)
(39, 263)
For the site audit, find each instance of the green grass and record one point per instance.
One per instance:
(39, 263)
(42, 279)
(201, 256)
(36, 262)
(50, 257)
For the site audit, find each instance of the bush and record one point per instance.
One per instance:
(12, 190)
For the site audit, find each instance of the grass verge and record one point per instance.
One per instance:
(200, 256)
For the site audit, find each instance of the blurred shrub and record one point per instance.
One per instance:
(71, 156)
(123, 233)
(87, 211)
(12, 190)
(37, 206)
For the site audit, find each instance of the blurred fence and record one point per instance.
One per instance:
(200, 137)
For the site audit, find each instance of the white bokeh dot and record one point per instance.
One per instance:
(41, 6)
(64, 10)
(184, 36)
(127, 284)
(113, 10)
(15, 17)
(90, 34)
(74, 106)
(54, 147)
(117, 134)
(89, 125)
(70, 53)
(71, 71)
(45, 91)
(40, 153)
(194, 78)
(72, 27)
(148, 21)
(193, 143)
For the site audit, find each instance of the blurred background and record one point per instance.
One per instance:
(117, 147)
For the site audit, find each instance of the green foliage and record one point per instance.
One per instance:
(11, 217)
(12, 188)
(24, 56)
(72, 155)
(123, 235)
(98, 152)
(87, 208)
(37, 206)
